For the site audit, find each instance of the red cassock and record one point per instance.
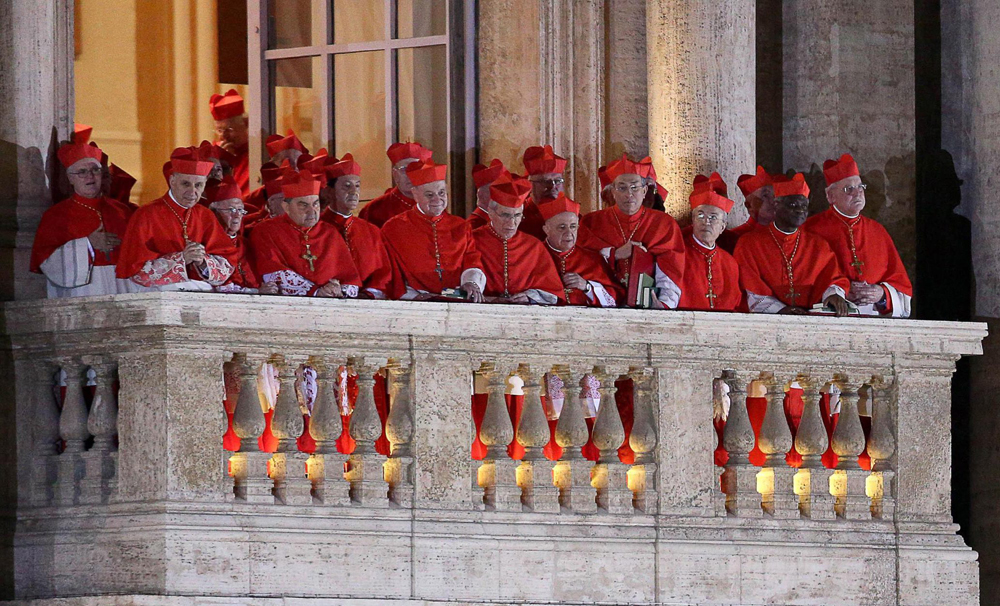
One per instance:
(364, 240)
(478, 218)
(241, 170)
(255, 200)
(415, 241)
(656, 230)
(532, 220)
(243, 275)
(590, 266)
(763, 271)
(516, 265)
(388, 205)
(877, 260)
(279, 245)
(162, 228)
(711, 279)
(78, 217)
(730, 237)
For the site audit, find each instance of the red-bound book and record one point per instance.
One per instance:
(641, 280)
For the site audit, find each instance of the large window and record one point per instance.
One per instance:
(357, 75)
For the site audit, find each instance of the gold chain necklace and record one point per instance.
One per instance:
(506, 285)
(710, 295)
(788, 263)
(184, 223)
(857, 263)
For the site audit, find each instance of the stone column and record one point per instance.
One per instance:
(701, 58)
(36, 92)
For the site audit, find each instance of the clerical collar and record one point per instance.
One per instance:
(433, 219)
(171, 194)
(837, 210)
(338, 213)
(561, 252)
(781, 231)
(702, 244)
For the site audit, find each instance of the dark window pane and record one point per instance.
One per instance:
(295, 23)
(296, 97)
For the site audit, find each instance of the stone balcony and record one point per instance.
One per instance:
(124, 487)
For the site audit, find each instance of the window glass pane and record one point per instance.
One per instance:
(359, 117)
(358, 21)
(296, 96)
(422, 82)
(416, 18)
(295, 23)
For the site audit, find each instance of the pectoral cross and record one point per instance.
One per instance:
(711, 296)
(440, 272)
(857, 264)
(309, 258)
(792, 294)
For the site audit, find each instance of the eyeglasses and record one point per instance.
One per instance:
(850, 190)
(556, 181)
(236, 212)
(97, 170)
(629, 189)
(707, 218)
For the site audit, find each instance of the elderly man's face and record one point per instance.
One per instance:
(187, 189)
(303, 211)
(483, 197)
(292, 155)
(216, 172)
(86, 176)
(561, 230)
(232, 133)
(347, 193)
(230, 214)
(431, 198)
(546, 186)
(792, 211)
(847, 195)
(762, 205)
(402, 180)
(708, 222)
(629, 191)
(276, 205)
(505, 220)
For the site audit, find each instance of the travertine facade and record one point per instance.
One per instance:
(160, 515)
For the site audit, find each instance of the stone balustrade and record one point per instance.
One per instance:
(124, 481)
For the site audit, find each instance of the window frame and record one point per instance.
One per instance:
(458, 41)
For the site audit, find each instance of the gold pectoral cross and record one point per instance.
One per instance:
(711, 296)
(792, 294)
(857, 265)
(309, 258)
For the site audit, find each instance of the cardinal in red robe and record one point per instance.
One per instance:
(431, 250)
(711, 275)
(758, 196)
(301, 254)
(231, 128)
(399, 198)
(784, 269)
(257, 199)
(545, 172)
(174, 243)
(288, 147)
(78, 241)
(518, 267)
(363, 239)
(866, 252)
(483, 177)
(587, 278)
(614, 231)
(224, 200)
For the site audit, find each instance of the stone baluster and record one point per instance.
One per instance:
(642, 440)
(739, 480)
(610, 475)
(326, 466)
(776, 482)
(292, 485)
(101, 460)
(535, 474)
(366, 471)
(497, 474)
(881, 447)
(46, 432)
(812, 482)
(399, 431)
(849, 481)
(248, 466)
(73, 430)
(573, 472)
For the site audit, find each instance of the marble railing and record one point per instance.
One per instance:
(123, 477)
